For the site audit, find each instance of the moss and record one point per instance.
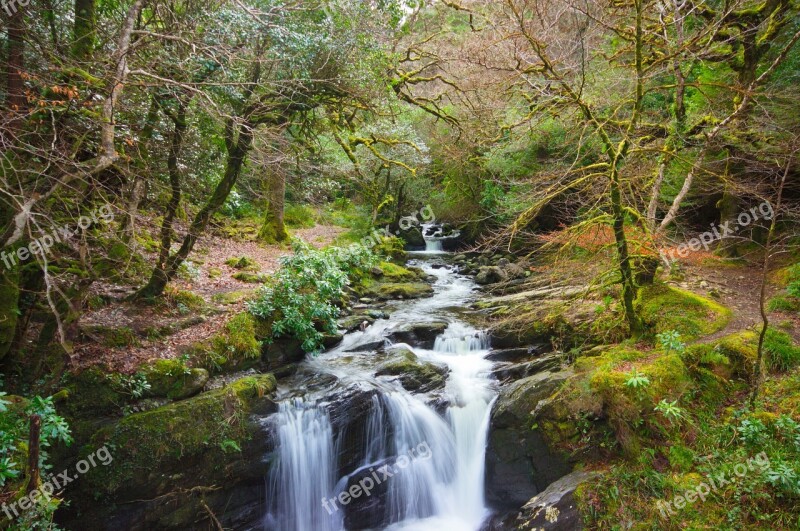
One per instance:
(392, 290)
(243, 263)
(391, 247)
(186, 299)
(123, 336)
(149, 447)
(173, 379)
(663, 308)
(232, 297)
(214, 272)
(250, 278)
(92, 393)
(395, 273)
(741, 349)
(235, 348)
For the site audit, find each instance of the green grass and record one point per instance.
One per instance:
(664, 308)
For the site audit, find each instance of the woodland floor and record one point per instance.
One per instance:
(223, 295)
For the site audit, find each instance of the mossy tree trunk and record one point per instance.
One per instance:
(84, 29)
(238, 139)
(274, 230)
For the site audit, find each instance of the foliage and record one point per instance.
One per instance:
(300, 300)
(781, 353)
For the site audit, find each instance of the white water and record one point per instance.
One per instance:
(444, 491)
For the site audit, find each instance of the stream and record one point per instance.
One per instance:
(412, 461)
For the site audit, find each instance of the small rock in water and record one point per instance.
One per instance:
(366, 300)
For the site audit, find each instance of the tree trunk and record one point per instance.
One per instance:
(33, 454)
(83, 34)
(273, 230)
(137, 190)
(623, 257)
(237, 153)
(15, 87)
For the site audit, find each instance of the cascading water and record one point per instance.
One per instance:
(440, 488)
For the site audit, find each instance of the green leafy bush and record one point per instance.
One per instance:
(299, 216)
(300, 299)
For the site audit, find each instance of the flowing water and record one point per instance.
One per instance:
(434, 443)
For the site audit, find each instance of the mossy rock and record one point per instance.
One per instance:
(214, 272)
(243, 263)
(235, 348)
(233, 297)
(741, 349)
(391, 247)
(396, 273)
(250, 278)
(173, 379)
(394, 290)
(414, 374)
(93, 393)
(148, 448)
(664, 308)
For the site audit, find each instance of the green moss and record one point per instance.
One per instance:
(173, 379)
(92, 393)
(663, 308)
(232, 297)
(243, 263)
(299, 216)
(741, 349)
(156, 444)
(123, 336)
(214, 272)
(187, 299)
(235, 348)
(250, 278)
(395, 273)
(392, 290)
(392, 247)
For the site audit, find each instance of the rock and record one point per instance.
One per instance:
(377, 314)
(503, 262)
(514, 271)
(490, 275)
(367, 511)
(331, 340)
(459, 258)
(352, 323)
(519, 462)
(206, 440)
(349, 411)
(376, 272)
(173, 379)
(368, 347)
(413, 237)
(516, 354)
(282, 352)
(703, 284)
(555, 509)
(414, 374)
(529, 368)
(421, 335)
(402, 290)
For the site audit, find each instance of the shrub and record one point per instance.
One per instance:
(299, 216)
(300, 299)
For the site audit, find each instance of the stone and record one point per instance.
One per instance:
(414, 374)
(420, 334)
(555, 508)
(490, 275)
(518, 371)
(519, 462)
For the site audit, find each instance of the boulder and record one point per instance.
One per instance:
(420, 334)
(516, 354)
(414, 374)
(519, 461)
(282, 352)
(173, 379)
(490, 275)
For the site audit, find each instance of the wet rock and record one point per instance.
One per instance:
(414, 374)
(518, 371)
(370, 346)
(368, 510)
(555, 509)
(349, 412)
(516, 354)
(399, 290)
(282, 352)
(519, 462)
(421, 334)
(490, 275)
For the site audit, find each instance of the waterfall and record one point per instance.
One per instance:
(440, 488)
(304, 473)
